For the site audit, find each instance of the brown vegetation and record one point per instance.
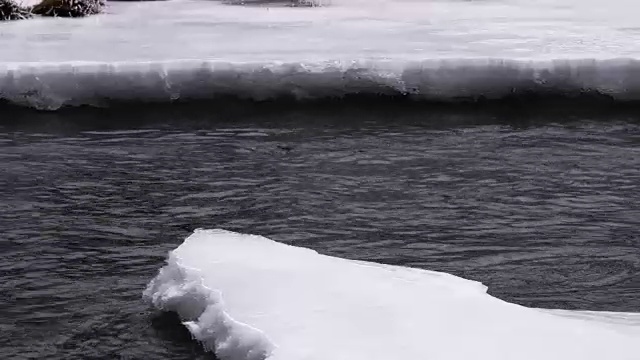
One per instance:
(68, 8)
(9, 10)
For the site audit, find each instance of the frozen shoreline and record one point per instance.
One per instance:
(185, 50)
(50, 86)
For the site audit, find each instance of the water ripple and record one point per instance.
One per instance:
(545, 215)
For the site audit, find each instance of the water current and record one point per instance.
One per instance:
(544, 210)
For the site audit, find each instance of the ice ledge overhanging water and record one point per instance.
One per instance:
(247, 297)
(50, 86)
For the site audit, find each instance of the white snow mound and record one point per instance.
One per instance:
(248, 297)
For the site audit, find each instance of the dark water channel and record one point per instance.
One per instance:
(546, 213)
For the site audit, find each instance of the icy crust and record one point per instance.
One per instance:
(248, 297)
(181, 290)
(52, 86)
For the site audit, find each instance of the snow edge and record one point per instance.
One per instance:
(178, 288)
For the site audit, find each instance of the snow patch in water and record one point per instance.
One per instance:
(247, 297)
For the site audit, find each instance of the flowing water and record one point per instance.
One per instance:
(543, 211)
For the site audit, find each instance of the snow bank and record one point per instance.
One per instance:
(51, 86)
(428, 50)
(247, 297)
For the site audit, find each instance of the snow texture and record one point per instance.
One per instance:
(428, 49)
(248, 297)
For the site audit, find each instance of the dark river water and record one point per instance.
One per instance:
(545, 212)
